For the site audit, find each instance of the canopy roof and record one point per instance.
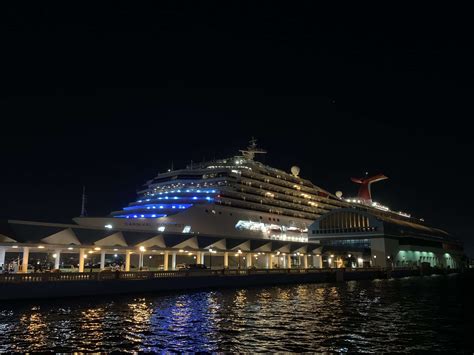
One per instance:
(17, 233)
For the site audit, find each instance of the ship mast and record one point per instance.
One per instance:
(251, 150)
(83, 207)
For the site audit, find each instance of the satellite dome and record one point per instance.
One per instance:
(295, 170)
(339, 194)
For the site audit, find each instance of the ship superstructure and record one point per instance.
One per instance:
(229, 197)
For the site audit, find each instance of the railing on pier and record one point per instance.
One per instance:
(142, 275)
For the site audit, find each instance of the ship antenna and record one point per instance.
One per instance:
(172, 166)
(251, 150)
(83, 208)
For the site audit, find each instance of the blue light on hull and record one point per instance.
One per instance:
(181, 206)
(172, 201)
(177, 198)
(133, 216)
(200, 191)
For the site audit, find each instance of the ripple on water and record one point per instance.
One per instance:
(414, 314)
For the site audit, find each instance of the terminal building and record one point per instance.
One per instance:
(353, 237)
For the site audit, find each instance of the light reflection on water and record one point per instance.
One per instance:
(410, 314)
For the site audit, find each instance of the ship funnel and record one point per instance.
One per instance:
(364, 190)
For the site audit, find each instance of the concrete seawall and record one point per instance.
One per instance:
(32, 287)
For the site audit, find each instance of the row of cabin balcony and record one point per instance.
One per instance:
(257, 197)
(228, 201)
(301, 188)
(289, 192)
(291, 187)
(285, 197)
(274, 202)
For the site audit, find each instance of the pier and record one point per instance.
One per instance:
(58, 285)
(85, 261)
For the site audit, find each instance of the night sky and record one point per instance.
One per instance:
(108, 97)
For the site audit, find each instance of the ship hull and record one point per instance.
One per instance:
(215, 220)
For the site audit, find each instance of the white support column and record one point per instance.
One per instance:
(2, 256)
(165, 260)
(318, 261)
(202, 258)
(102, 260)
(57, 259)
(226, 260)
(305, 261)
(173, 261)
(198, 257)
(288, 261)
(249, 260)
(271, 261)
(127, 260)
(81, 260)
(268, 261)
(24, 263)
(140, 261)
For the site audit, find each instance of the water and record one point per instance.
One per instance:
(405, 315)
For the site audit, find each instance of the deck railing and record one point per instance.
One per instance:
(142, 275)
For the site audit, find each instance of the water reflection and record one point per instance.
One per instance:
(35, 328)
(380, 316)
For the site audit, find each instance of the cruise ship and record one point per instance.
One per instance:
(231, 197)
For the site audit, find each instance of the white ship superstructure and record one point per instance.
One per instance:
(237, 196)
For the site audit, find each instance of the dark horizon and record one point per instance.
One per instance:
(108, 99)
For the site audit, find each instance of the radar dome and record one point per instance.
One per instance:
(339, 194)
(295, 170)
